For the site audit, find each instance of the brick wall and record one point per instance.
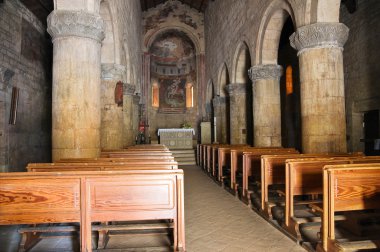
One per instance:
(25, 63)
(361, 67)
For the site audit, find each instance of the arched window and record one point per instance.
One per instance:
(189, 95)
(155, 95)
(289, 80)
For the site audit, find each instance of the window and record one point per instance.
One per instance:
(155, 95)
(189, 95)
(289, 80)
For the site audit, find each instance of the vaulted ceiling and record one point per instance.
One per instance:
(199, 5)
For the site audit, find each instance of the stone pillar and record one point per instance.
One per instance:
(323, 114)
(111, 130)
(136, 107)
(77, 37)
(266, 105)
(129, 133)
(219, 104)
(238, 118)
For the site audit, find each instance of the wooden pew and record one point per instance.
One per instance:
(88, 197)
(130, 158)
(273, 174)
(352, 187)
(98, 166)
(211, 156)
(304, 177)
(198, 157)
(135, 154)
(237, 160)
(224, 157)
(252, 169)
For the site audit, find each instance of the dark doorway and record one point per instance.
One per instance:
(371, 132)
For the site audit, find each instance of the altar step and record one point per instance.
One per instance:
(184, 157)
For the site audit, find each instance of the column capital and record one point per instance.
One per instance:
(129, 89)
(265, 72)
(219, 101)
(236, 88)
(136, 99)
(114, 72)
(64, 23)
(319, 35)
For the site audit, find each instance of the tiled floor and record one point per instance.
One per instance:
(215, 221)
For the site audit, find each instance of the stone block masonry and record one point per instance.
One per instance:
(25, 63)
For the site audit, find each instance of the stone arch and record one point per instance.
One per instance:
(223, 80)
(129, 69)
(109, 52)
(149, 39)
(270, 30)
(327, 11)
(241, 64)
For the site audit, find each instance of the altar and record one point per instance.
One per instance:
(177, 138)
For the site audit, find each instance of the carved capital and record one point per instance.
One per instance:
(319, 35)
(136, 99)
(114, 72)
(129, 89)
(236, 89)
(64, 23)
(265, 72)
(219, 101)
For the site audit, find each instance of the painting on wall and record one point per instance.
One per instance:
(172, 92)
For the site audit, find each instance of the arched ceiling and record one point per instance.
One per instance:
(199, 5)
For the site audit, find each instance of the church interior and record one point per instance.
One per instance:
(189, 125)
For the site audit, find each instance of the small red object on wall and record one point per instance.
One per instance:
(119, 94)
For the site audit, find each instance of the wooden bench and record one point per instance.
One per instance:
(237, 160)
(252, 168)
(134, 154)
(352, 187)
(210, 158)
(224, 158)
(88, 197)
(98, 166)
(304, 177)
(130, 158)
(273, 175)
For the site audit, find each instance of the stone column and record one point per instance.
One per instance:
(136, 103)
(111, 113)
(219, 104)
(77, 37)
(129, 134)
(238, 118)
(266, 105)
(323, 114)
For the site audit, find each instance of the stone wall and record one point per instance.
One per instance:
(25, 63)
(361, 67)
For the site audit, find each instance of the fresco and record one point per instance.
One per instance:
(172, 92)
(173, 65)
(173, 45)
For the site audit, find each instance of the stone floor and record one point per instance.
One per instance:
(215, 221)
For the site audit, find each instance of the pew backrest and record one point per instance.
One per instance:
(46, 167)
(305, 177)
(349, 187)
(86, 197)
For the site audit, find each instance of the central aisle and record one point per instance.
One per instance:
(217, 221)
